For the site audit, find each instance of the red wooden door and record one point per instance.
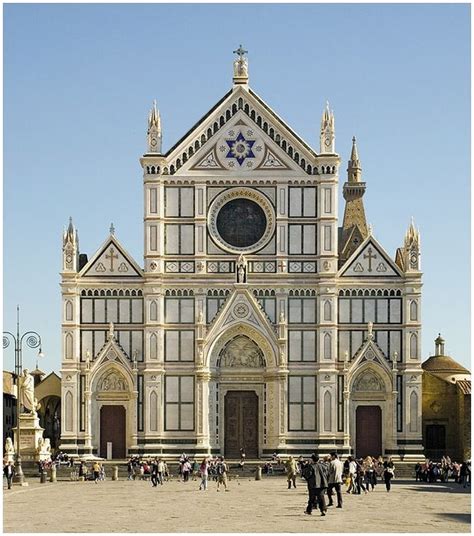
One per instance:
(368, 431)
(241, 424)
(112, 428)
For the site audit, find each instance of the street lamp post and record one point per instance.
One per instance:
(33, 340)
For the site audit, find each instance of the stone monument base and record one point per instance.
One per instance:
(30, 434)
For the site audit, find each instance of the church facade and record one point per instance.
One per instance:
(258, 319)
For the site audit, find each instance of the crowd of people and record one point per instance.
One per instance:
(431, 471)
(327, 476)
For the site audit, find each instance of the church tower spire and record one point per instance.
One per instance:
(70, 248)
(354, 227)
(327, 135)
(154, 130)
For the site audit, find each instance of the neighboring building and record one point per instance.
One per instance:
(446, 407)
(48, 393)
(258, 320)
(9, 405)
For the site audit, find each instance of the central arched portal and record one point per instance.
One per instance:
(241, 424)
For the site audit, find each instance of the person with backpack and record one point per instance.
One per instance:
(315, 474)
(221, 470)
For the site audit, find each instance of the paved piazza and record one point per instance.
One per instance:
(249, 506)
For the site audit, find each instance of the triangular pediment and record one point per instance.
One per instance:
(241, 133)
(240, 146)
(111, 352)
(111, 260)
(369, 260)
(241, 308)
(369, 352)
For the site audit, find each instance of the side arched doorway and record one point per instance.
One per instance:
(371, 412)
(368, 431)
(112, 430)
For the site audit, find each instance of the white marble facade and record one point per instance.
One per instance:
(241, 289)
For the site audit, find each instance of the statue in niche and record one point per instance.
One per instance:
(242, 352)
(370, 334)
(241, 269)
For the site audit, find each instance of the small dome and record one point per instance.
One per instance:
(443, 363)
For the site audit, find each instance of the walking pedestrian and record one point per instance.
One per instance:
(204, 470)
(221, 469)
(316, 476)
(335, 479)
(389, 472)
(154, 473)
(9, 472)
(96, 471)
(291, 470)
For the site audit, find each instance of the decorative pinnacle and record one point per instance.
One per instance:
(112, 229)
(154, 117)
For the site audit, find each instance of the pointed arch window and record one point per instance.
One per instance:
(68, 412)
(327, 310)
(153, 346)
(413, 412)
(413, 310)
(327, 412)
(153, 311)
(68, 346)
(153, 412)
(327, 352)
(69, 311)
(414, 346)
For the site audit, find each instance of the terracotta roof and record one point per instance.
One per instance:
(464, 386)
(443, 363)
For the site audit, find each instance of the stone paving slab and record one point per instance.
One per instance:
(249, 506)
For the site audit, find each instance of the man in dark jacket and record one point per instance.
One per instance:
(154, 473)
(9, 472)
(317, 479)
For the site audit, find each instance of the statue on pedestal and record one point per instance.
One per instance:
(43, 449)
(9, 450)
(27, 393)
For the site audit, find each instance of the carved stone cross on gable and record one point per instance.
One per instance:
(370, 257)
(111, 257)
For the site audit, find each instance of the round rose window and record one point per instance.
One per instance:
(241, 220)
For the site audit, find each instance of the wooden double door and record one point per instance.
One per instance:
(368, 431)
(112, 429)
(241, 424)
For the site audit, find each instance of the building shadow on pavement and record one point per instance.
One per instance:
(461, 518)
(440, 488)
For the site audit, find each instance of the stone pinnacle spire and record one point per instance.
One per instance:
(154, 130)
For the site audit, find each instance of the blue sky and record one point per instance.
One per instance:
(79, 81)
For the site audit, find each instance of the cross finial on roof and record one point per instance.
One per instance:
(112, 229)
(241, 52)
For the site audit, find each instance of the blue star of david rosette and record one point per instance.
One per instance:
(240, 149)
